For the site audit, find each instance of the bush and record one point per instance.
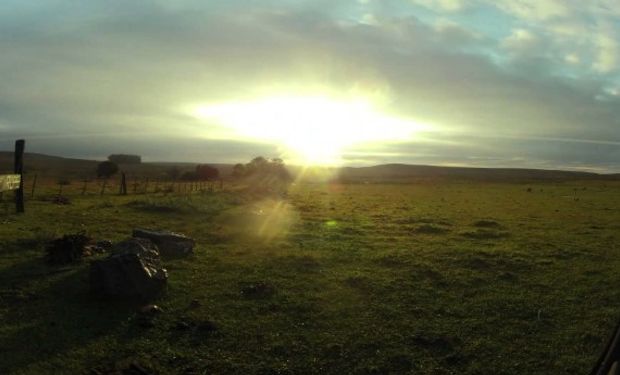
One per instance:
(206, 172)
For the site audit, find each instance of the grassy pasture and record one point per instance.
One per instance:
(427, 278)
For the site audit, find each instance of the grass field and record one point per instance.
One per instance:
(429, 278)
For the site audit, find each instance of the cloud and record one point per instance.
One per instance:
(127, 73)
(449, 5)
(608, 57)
(572, 58)
(561, 27)
(535, 10)
(522, 41)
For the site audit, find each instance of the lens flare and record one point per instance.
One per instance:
(312, 129)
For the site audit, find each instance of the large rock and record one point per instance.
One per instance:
(133, 270)
(170, 244)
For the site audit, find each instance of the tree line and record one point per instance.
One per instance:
(259, 168)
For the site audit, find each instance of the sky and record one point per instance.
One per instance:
(520, 83)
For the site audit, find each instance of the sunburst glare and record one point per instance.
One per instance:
(311, 129)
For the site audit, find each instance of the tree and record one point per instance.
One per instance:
(189, 176)
(264, 174)
(238, 170)
(206, 172)
(106, 169)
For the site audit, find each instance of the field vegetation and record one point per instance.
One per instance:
(421, 277)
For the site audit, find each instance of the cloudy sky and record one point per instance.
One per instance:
(519, 83)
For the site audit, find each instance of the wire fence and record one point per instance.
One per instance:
(36, 187)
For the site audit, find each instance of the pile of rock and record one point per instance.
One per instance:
(134, 268)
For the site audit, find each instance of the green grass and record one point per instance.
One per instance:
(464, 278)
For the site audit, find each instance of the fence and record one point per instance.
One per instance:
(39, 186)
(122, 185)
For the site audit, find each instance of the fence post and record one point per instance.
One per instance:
(34, 186)
(84, 187)
(105, 181)
(123, 189)
(146, 186)
(19, 169)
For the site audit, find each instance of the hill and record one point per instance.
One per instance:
(404, 172)
(53, 166)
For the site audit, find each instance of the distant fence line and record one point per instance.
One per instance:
(122, 185)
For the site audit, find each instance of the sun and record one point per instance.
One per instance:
(312, 129)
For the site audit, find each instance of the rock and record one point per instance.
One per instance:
(200, 327)
(105, 244)
(150, 310)
(93, 249)
(182, 326)
(68, 249)
(147, 316)
(170, 244)
(133, 270)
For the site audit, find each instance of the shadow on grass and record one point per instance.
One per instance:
(35, 242)
(485, 234)
(430, 229)
(48, 311)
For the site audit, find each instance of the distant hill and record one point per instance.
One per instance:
(54, 166)
(403, 172)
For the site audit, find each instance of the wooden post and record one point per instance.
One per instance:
(19, 169)
(105, 182)
(146, 186)
(84, 187)
(34, 186)
(123, 189)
